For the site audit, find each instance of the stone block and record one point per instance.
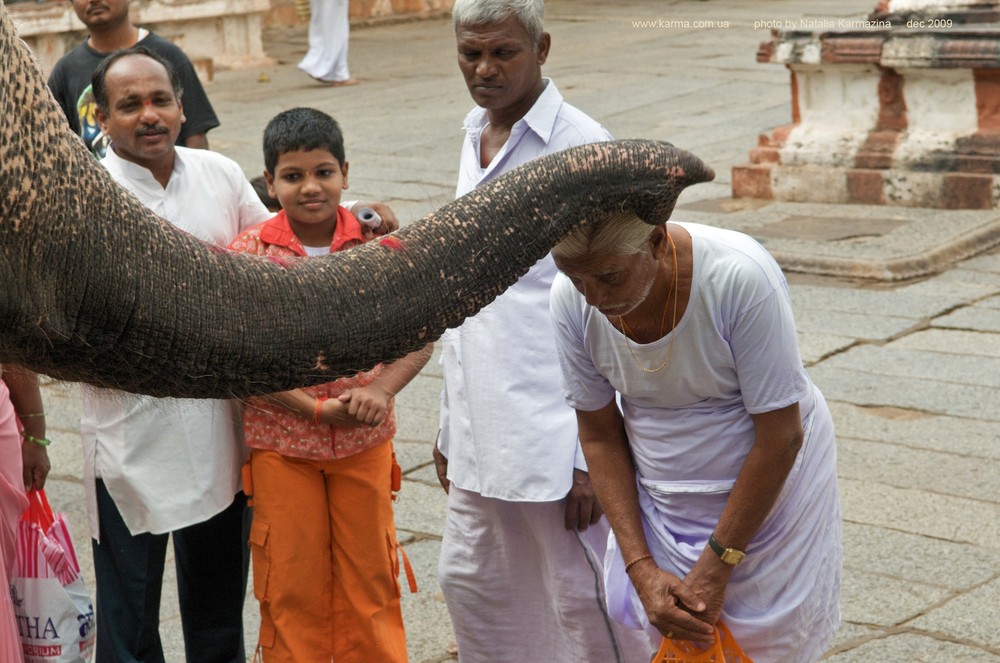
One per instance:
(412, 456)
(912, 647)
(911, 188)
(973, 318)
(839, 97)
(850, 633)
(815, 346)
(856, 325)
(941, 100)
(991, 304)
(891, 361)
(987, 85)
(911, 557)
(878, 150)
(972, 282)
(851, 48)
(417, 425)
(969, 617)
(865, 187)
(63, 404)
(903, 466)
(425, 614)
(226, 33)
(913, 302)
(765, 155)
(898, 600)
(421, 508)
(966, 191)
(935, 397)
(919, 430)
(976, 344)
(918, 511)
(978, 153)
(809, 183)
(65, 454)
(752, 181)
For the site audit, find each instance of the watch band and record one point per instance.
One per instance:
(729, 556)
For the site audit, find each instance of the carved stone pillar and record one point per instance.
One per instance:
(904, 111)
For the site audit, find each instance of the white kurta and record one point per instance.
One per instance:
(689, 428)
(505, 429)
(519, 586)
(169, 463)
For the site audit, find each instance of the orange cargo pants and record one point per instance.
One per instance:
(325, 567)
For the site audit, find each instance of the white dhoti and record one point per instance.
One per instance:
(520, 587)
(329, 32)
(783, 602)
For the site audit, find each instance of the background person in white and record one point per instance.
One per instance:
(521, 558)
(329, 36)
(155, 466)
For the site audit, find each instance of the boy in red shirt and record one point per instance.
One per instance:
(323, 539)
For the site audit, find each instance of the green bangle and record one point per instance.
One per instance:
(33, 414)
(44, 441)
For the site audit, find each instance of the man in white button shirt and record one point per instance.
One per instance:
(521, 560)
(158, 466)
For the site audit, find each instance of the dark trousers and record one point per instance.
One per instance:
(211, 560)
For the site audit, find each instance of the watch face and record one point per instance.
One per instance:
(732, 557)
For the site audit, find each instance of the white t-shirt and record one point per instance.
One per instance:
(167, 462)
(735, 353)
(505, 429)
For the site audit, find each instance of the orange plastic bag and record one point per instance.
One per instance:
(724, 650)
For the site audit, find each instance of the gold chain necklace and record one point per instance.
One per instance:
(673, 322)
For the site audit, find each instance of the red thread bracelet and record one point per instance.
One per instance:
(319, 404)
(636, 560)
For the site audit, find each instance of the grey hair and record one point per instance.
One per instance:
(529, 13)
(617, 234)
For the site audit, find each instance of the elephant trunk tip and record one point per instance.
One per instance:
(678, 169)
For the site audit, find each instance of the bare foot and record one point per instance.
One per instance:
(349, 81)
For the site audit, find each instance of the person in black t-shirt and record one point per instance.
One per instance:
(111, 29)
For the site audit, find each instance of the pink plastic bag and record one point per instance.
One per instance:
(55, 616)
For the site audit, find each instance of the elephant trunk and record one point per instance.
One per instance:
(95, 288)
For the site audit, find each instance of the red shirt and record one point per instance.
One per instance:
(272, 427)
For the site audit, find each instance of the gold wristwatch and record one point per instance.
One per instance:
(729, 556)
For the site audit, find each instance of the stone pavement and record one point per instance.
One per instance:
(909, 359)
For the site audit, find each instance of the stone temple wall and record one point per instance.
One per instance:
(215, 34)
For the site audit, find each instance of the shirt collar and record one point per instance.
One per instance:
(540, 118)
(346, 234)
(138, 173)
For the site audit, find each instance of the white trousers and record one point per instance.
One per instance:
(328, 35)
(520, 587)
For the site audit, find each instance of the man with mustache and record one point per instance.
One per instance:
(158, 467)
(524, 539)
(111, 29)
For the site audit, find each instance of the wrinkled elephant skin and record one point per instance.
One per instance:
(95, 288)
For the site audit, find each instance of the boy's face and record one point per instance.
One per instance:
(308, 184)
